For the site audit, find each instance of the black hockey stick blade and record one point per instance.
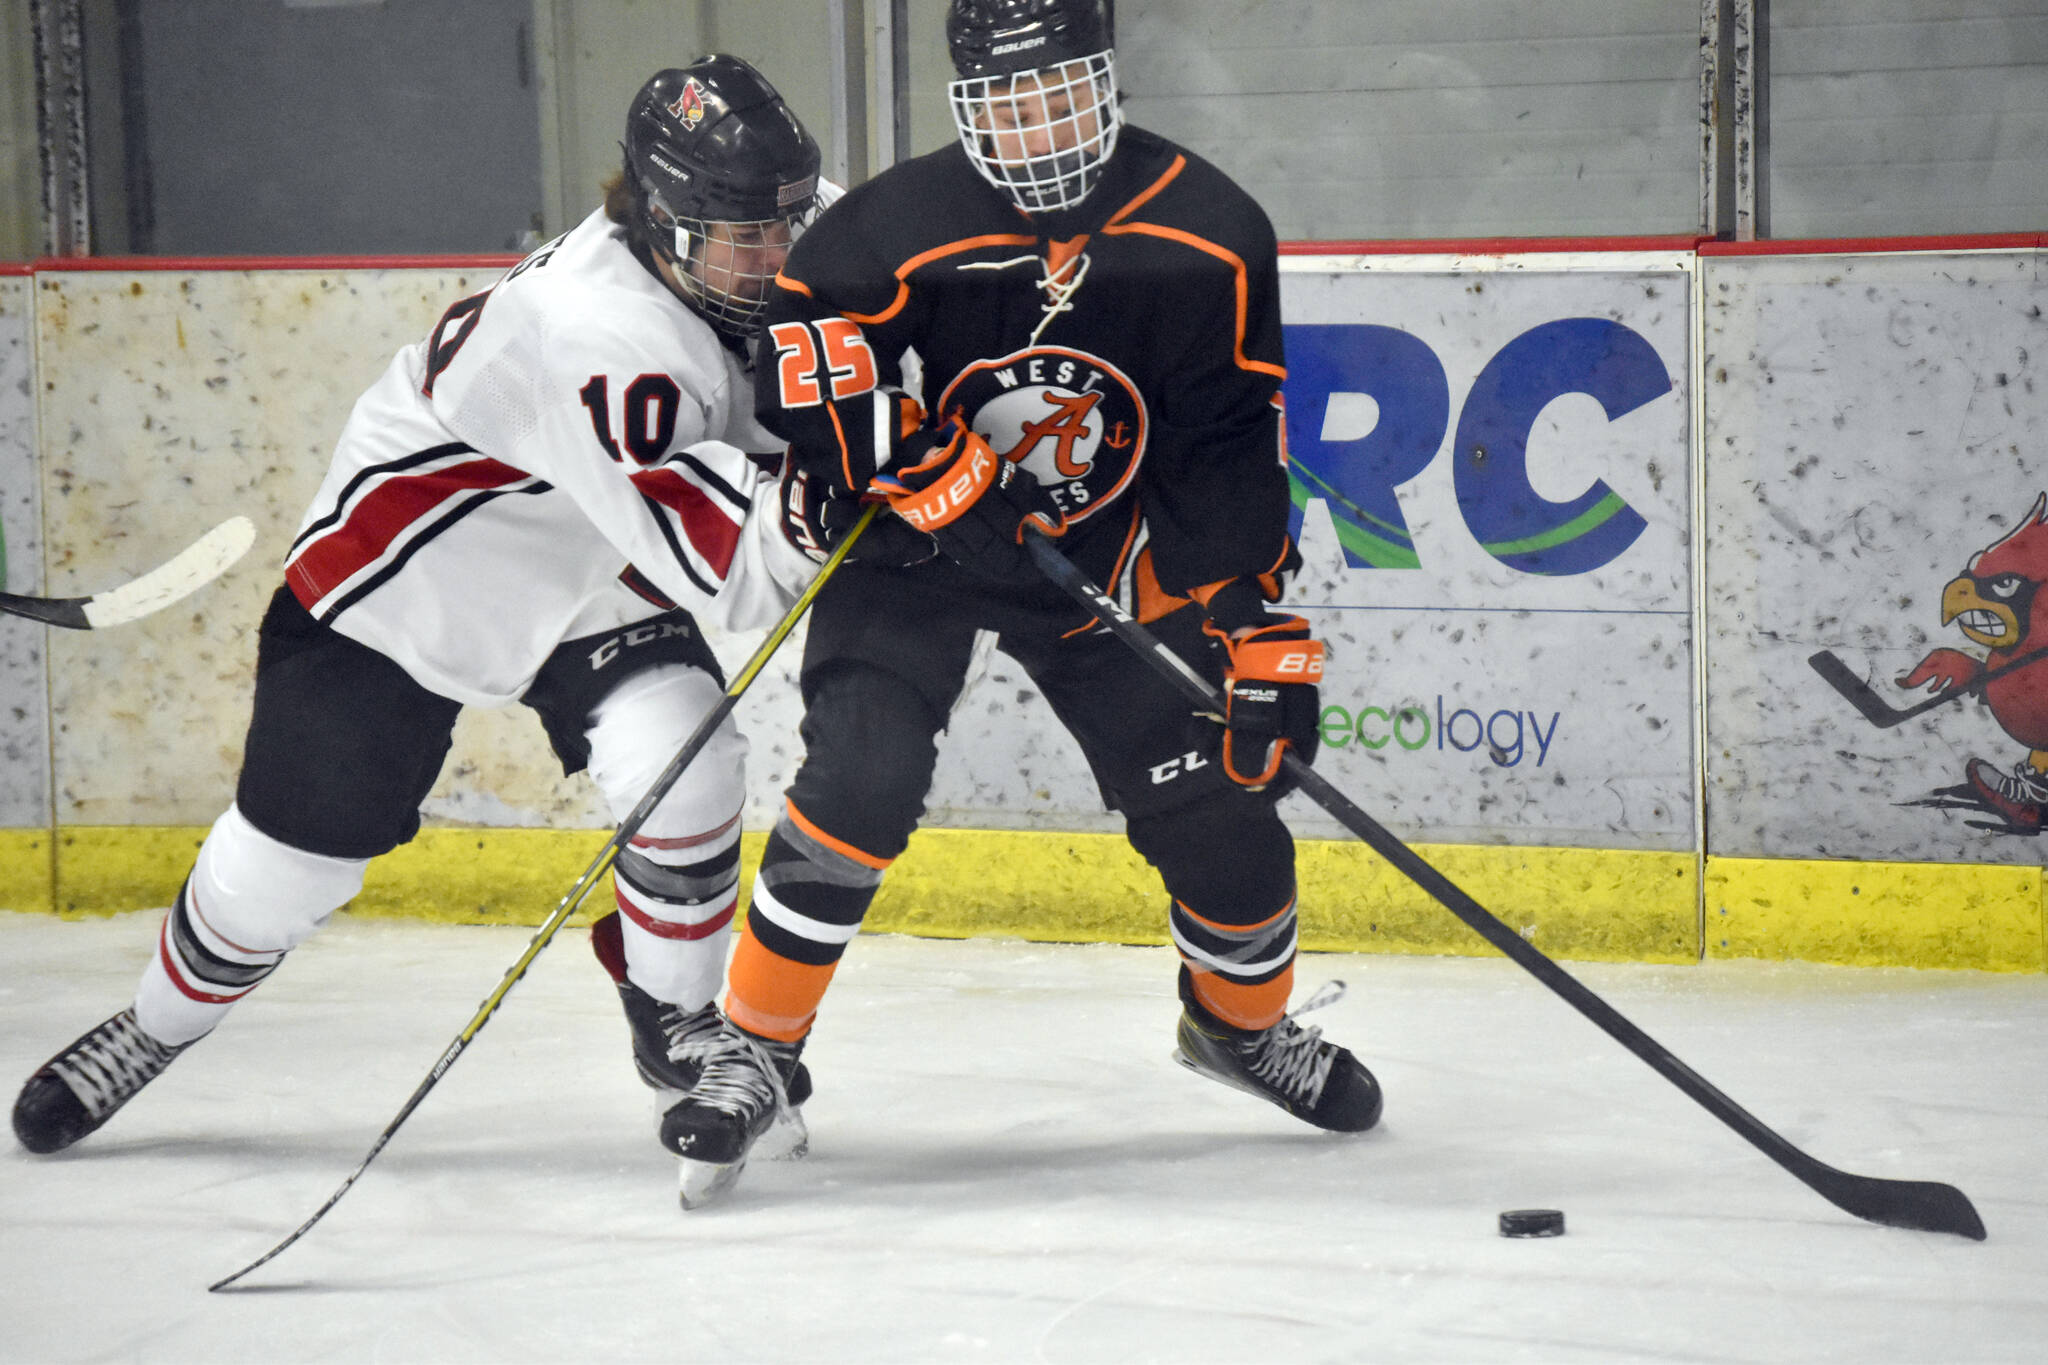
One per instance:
(545, 934)
(1921, 1205)
(1882, 713)
(198, 564)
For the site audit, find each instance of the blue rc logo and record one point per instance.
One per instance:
(1357, 477)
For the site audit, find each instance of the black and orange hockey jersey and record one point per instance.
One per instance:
(1127, 352)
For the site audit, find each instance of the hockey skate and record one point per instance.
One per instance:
(669, 1042)
(79, 1089)
(1288, 1065)
(746, 1088)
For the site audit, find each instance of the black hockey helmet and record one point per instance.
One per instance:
(1000, 37)
(714, 159)
(1035, 102)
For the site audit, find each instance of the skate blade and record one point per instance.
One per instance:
(786, 1139)
(1222, 1078)
(705, 1182)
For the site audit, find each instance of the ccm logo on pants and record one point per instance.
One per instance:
(639, 635)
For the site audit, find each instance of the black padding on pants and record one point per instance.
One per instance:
(343, 745)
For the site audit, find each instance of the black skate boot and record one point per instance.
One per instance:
(670, 1043)
(745, 1089)
(1293, 1067)
(79, 1089)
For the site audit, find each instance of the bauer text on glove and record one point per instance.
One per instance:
(973, 502)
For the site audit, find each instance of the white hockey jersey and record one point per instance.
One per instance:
(567, 434)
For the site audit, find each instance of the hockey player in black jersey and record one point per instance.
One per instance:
(1062, 325)
(537, 502)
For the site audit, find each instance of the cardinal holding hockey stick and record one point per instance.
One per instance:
(1095, 313)
(538, 502)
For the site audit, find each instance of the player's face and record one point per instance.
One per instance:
(1042, 113)
(739, 260)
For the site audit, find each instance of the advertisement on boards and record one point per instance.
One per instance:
(1492, 488)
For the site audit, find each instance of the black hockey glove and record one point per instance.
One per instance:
(974, 503)
(816, 515)
(1271, 698)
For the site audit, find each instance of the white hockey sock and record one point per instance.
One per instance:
(676, 901)
(248, 901)
(677, 882)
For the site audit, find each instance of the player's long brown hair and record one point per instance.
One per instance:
(618, 199)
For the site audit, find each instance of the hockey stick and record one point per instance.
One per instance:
(204, 560)
(1924, 1205)
(1882, 713)
(591, 875)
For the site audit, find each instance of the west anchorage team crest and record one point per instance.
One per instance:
(1073, 420)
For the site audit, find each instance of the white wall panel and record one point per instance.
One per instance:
(1431, 118)
(24, 711)
(1873, 423)
(173, 400)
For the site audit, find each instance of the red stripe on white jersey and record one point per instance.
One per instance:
(707, 526)
(381, 517)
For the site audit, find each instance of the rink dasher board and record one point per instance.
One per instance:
(1476, 700)
(149, 733)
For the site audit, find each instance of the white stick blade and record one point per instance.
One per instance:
(201, 562)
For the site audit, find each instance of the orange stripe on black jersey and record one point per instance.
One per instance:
(923, 258)
(1237, 266)
(845, 451)
(1166, 178)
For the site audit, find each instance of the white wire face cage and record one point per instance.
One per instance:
(1041, 137)
(727, 266)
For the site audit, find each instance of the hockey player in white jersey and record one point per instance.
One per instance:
(539, 502)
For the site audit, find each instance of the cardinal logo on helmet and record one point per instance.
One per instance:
(688, 107)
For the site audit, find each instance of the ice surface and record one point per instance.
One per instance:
(1006, 1166)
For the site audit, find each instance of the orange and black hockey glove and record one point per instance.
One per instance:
(1271, 696)
(973, 502)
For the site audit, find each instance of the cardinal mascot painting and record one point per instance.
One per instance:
(1991, 602)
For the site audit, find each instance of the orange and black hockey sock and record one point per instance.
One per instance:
(1228, 862)
(1241, 974)
(809, 899)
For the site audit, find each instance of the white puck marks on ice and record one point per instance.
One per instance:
(1532, 1223)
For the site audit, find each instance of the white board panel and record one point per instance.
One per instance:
(1873, 424)
(24, 712)
(175, 399)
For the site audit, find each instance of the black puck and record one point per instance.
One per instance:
(1532, 1223)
